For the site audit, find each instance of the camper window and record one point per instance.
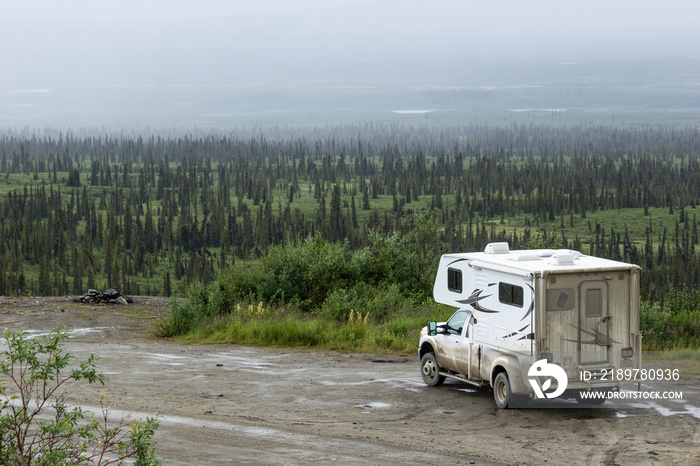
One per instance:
(560, 299)
(510, 294)
(594, 303)
(454, 280)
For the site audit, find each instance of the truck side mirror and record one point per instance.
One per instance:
(432, 328)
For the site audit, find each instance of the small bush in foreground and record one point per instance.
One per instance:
(37, 427)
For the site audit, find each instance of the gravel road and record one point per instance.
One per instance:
(228, 404)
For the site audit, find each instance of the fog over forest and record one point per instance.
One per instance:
(198, 63)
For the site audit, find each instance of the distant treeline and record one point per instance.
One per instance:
(151, 215)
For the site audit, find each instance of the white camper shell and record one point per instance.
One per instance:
(519, 307)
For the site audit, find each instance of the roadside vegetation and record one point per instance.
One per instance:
(376, 299)
(321, 294)
(673, 325)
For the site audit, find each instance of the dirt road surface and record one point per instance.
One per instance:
(228, 404)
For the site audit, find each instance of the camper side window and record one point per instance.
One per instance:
(454, 280)
(510, 294)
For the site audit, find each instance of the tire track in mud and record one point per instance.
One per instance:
(610, 448)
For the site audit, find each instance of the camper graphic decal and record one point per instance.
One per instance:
(474, 298)
(532, 303)
(478, 295)
(455, 261)
(517, 333)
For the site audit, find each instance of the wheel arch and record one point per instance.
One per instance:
(511, 365)
(426, 347)
(497, 369)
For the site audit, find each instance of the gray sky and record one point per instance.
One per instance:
(54, 44)
(92, 40)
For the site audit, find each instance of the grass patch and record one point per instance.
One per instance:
(257, 325)
(687, 361)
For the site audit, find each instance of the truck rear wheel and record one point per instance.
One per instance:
(501, 390)
(430, 370)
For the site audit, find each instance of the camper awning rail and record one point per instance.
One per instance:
(574, 269)
(513, 269)
(499, 268)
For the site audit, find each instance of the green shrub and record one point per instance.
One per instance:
(673, 326)
(384, 302)
(178, 321)
(407, 258)
(303, 274)
(283, 274)
(378, 302)
(201, 303)
(339, 303)
(331, 268)
(242, 281)
(32, 373)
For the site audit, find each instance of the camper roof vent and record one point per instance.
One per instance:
(562, 259)
(573, 252)
(496, 248)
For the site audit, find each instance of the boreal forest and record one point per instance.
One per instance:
(153, 214)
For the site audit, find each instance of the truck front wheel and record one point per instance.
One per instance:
(501, 390)
(430, 370)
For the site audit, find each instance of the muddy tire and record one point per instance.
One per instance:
(501, 390)
(430, 370)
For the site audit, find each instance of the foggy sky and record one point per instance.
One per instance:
(47, 45)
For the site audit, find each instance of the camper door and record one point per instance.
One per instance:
(595, 321)
(578, 318)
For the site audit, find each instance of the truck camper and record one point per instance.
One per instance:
(534, 324)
